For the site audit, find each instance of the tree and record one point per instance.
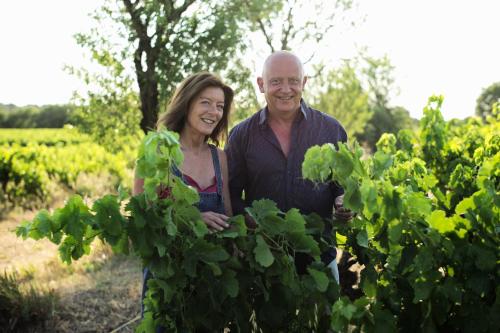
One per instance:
(385, 120)
(285, 26)
(378, 76)
(165, 40)
(485, 101)
(342, 96)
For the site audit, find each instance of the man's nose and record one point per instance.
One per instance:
(285, 87)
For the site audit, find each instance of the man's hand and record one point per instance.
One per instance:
(340, 212)
(215, 221)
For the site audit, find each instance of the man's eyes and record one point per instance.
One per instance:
(290, 81)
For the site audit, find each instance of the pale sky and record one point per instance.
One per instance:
(449, 47)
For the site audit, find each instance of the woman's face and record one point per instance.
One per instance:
(206, 111)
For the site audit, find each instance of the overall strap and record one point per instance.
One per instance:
(218, 175)
(176, 171)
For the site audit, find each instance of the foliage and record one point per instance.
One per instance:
(357, 94)
(23, 310)
(377, 75)
(343, 97)
(385, 119)
(27, 168)
(485, 101)
(110, 116)
(283, 26)
(237, 274)
(427, 230)
(47, 116)
(159, 43)
(42, 136)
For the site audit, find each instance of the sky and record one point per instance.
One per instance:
(448, 47)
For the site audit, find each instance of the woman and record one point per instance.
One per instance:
(199, 112)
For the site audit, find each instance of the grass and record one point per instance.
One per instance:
(24, 309)
(98, 293)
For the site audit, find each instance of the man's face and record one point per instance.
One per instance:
(282, 84)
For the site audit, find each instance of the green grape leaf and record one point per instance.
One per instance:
(66, 249)
(237, 228)
(181, 191)
(352, 196)
(381, 162)
(395, 230)
(343, 162)
(262, 252)
(422, 290)
(23, 229)
(417, 205)
(262, 208)
(464, 205)
(200, 229)
(440, 222)
(74, 216)
(108, 217)
(230, 283)
(295, 221)
(368, 193)
(170, 225)
(485, 259)
(216, 270)
(147, 324)
(208, 252)
(122, 246)
(42, 223)
(320, 278)
(304, 243)
(362, 238)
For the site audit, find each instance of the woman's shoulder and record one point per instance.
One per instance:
(221, 154)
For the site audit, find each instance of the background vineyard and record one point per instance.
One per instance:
(33, 161)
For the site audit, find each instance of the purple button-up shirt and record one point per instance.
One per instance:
(258, 166)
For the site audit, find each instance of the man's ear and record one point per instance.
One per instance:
(304, 82)
(260, 83)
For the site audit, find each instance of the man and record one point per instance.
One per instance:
(265, 152)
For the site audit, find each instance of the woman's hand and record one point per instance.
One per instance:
(215, 221)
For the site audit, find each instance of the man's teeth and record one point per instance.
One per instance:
(285, 98)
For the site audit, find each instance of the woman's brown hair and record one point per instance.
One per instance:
(175, 117)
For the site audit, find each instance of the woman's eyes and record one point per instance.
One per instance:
(220, 107)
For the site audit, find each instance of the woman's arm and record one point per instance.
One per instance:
(225, 183)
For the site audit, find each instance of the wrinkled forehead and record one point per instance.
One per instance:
(282, 66)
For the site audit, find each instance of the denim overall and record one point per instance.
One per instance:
(209, 202)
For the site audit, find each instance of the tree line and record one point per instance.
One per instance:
(33, 116)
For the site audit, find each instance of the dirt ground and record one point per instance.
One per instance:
(99, 293)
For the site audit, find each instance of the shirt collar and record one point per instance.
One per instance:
(303, 108)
